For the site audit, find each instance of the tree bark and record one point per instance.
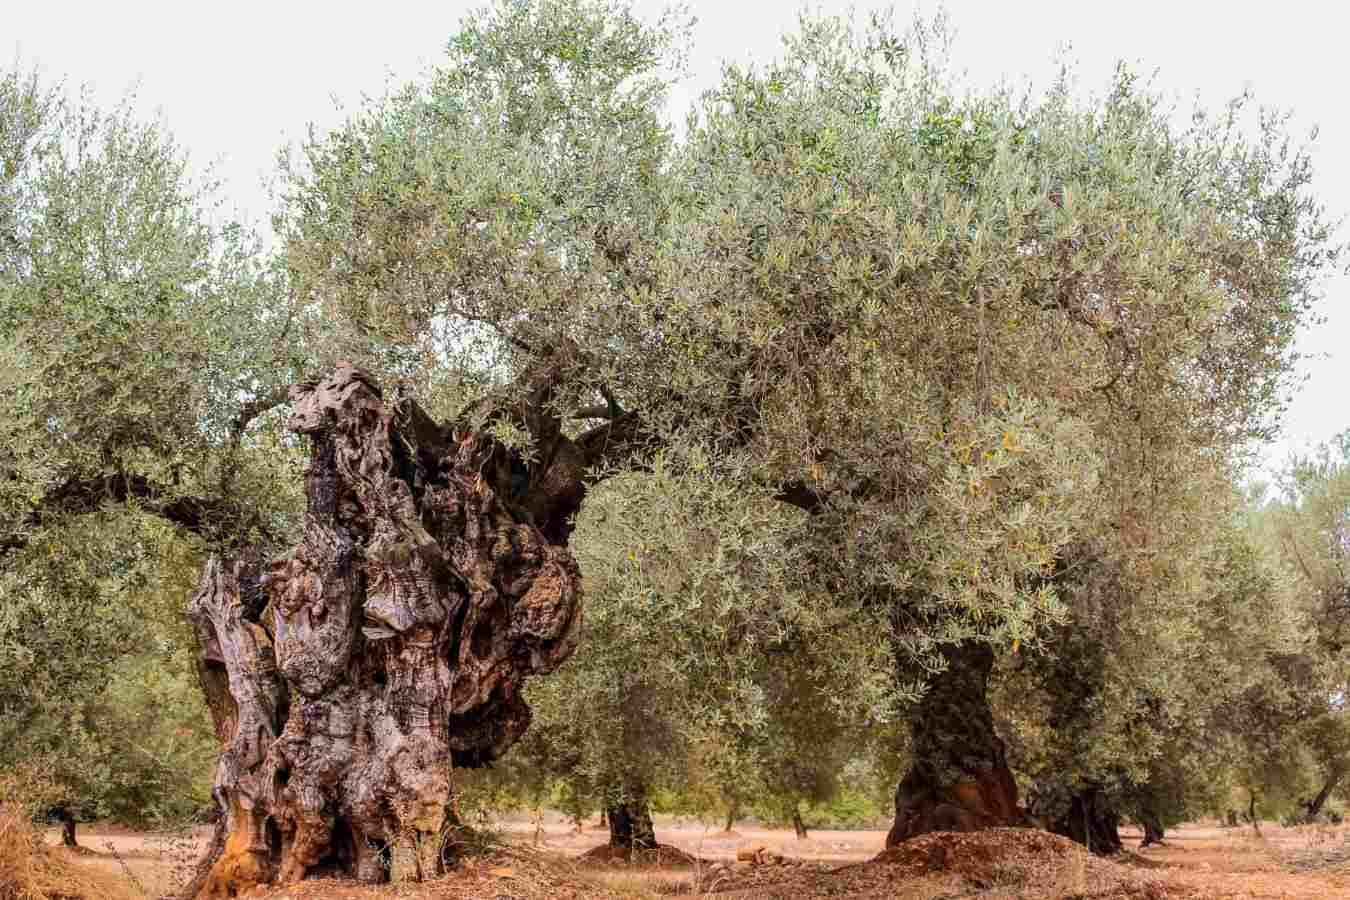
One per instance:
(798, 825)
(67, 819)
(630, 821)
(733, 813)
(1082, 814)
(1251, 814)
(1146, 811)
(1153, 831)
(1314, 806)
(960, 780)
(347, 678)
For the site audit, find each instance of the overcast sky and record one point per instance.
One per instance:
(234, 81)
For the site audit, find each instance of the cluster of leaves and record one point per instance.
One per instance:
(138, 342)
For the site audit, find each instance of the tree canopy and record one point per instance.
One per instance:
(868, 396)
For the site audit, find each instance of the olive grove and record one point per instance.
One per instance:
(867, 397)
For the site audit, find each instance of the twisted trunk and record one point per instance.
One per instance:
(347, 678)
(960, 780)
(1082, 814)
(630, 820)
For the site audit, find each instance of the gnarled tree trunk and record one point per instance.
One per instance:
(960, 780)
(1154, 832)
(347, 678)
(1082, 814)
(630, 820)
(733, 813)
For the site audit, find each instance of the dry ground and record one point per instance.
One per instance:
(541, 860)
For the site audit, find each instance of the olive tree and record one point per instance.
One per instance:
(136, 350)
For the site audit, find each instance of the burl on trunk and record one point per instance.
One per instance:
(348, 678)
(960, 780)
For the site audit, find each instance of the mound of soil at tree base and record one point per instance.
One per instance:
(1012, 862)
(660, 855)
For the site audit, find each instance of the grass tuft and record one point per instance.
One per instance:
(30, 870)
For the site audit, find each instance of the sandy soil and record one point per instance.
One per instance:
(1196, 861)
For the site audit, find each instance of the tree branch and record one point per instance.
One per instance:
(255, 408)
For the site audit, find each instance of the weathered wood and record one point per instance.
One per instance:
(348, 677)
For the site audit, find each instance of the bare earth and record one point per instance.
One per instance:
(1197, 861)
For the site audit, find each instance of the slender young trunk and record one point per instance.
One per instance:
(798, 825)
(733, 812)
(630, 821)
(960, 780)
(1251, 814)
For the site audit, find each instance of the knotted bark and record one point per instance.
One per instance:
(348, 678)
(960, 780)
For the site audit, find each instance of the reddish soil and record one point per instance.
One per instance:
(1199, 862)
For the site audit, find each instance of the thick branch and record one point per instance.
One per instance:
(80, 496)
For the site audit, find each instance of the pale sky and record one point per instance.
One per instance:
(235, 81)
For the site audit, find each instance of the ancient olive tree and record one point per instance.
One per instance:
(958, 335)
(1310, 526)
(1103, 734)
(985, 338)
(472, 232)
